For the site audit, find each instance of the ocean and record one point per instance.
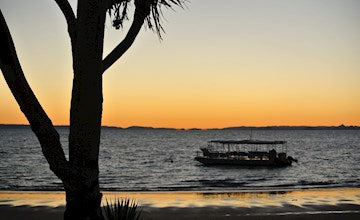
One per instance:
(163, 160)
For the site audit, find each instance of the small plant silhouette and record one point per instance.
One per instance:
(121, 209)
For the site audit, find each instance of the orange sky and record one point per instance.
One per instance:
(254, 63)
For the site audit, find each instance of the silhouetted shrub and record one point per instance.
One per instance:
(121, 209)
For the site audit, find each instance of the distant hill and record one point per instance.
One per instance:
(147, 128)
(341, 127)
(56, 126)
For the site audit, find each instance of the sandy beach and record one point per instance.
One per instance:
(201, 213)
(288, 204)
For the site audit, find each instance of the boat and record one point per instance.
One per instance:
(245, 153)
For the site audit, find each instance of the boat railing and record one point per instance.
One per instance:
(259, 149)
(258, 153)
(198, 153)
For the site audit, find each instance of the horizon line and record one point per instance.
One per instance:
(212, 128)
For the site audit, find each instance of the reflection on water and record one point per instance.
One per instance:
(200, 199)
(52, 199)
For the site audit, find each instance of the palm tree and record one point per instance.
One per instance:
(80, 173)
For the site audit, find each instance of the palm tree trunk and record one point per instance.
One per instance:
(83, 195)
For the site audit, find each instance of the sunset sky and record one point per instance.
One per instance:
(220, 64)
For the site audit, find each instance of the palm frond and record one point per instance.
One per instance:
(118, 8)
(153, 19)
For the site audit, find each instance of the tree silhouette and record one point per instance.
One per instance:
(80, 173)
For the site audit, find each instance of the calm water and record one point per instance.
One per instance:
(141, 160)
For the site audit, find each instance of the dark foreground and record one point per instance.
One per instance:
(344, 211)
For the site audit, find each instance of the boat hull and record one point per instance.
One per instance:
(241, 162)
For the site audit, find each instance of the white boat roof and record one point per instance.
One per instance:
(246, 142)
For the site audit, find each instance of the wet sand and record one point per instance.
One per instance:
(287, 204)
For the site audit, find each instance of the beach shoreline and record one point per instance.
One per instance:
(183, 205)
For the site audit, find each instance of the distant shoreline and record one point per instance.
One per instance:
(340, 127)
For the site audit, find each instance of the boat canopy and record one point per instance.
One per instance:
(246, 142)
